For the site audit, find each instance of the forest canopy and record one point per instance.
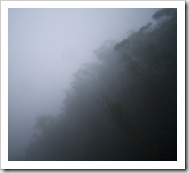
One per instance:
(122, 108)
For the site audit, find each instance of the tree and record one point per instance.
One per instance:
(121, 108)
(164, 15)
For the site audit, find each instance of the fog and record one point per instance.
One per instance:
(46, 48)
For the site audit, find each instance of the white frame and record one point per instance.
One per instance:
(179, 164)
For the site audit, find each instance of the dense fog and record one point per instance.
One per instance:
(92, 84)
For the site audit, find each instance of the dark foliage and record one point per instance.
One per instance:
(122, 108)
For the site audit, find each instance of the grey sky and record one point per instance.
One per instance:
(46, 47)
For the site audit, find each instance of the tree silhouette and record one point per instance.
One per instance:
(121, 108)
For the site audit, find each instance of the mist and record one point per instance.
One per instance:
(47, 48)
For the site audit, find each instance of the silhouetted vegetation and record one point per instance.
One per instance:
(123, 108)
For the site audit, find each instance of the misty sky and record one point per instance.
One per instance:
(46, 47)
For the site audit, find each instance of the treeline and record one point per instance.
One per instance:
(123, 108)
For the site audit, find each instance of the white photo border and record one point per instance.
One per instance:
(179, 164)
